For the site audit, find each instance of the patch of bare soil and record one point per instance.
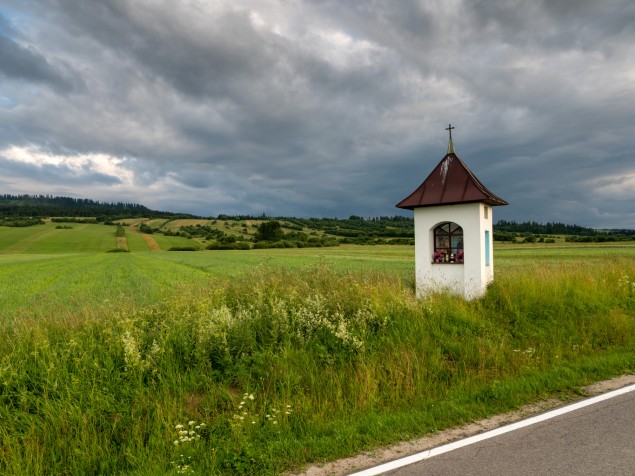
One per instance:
(150, 241)
(609, 385)
(406, 448)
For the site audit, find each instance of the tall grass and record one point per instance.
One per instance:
(278, 368)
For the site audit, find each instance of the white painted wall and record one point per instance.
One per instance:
(469, 279)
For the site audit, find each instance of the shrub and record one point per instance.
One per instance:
(219, 245)
(144, 228)
(21, 222)
(269, 231)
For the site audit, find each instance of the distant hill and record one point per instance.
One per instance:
(26, 210)
(556, 229)
(41, 206)
(403, 227)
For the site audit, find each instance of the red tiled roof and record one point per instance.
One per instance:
(451, 182)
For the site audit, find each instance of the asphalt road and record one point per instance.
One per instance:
(598, 439)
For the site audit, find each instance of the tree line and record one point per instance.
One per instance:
(42, 206)
(550, 228)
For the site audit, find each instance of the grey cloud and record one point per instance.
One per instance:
(23, 63)
(213, 113)
(159, 39)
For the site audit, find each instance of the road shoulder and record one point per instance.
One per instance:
(369, 459)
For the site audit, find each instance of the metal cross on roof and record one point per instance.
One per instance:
(449, 128)
(450, 144)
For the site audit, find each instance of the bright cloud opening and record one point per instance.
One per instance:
(79, 164)
(619, 187)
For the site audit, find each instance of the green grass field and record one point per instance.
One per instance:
(280, 357)
(81, 238)
(47, 239)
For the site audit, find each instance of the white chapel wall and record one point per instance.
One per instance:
(469, 279)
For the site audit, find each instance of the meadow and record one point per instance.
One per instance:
(263, 361)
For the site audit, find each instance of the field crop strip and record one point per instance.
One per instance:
(19, 240)
(274, 359)
(167, 242)
(47, 238)
(398, 259)
(49, 286)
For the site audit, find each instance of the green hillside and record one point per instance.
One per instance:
(225, 232)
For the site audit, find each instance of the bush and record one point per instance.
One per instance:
(504, 236)
(144, 228)
(236, 245)
(21, 222)
(269, 231)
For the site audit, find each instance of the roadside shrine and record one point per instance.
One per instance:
(453, 229)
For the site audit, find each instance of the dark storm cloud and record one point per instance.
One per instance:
(324, 107)
(166, 45)
(23, 63)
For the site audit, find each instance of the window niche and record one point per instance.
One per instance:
(448, 243)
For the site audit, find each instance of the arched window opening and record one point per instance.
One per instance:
(448, 243)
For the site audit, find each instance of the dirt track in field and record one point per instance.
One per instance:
(150, 241)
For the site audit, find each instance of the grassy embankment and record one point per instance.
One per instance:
(283, 357)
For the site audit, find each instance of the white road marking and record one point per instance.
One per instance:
(400, 463)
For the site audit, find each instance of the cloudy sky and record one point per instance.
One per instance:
(320, 108)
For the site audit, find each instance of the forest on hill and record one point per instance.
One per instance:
(44, 206)
(550, 228)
